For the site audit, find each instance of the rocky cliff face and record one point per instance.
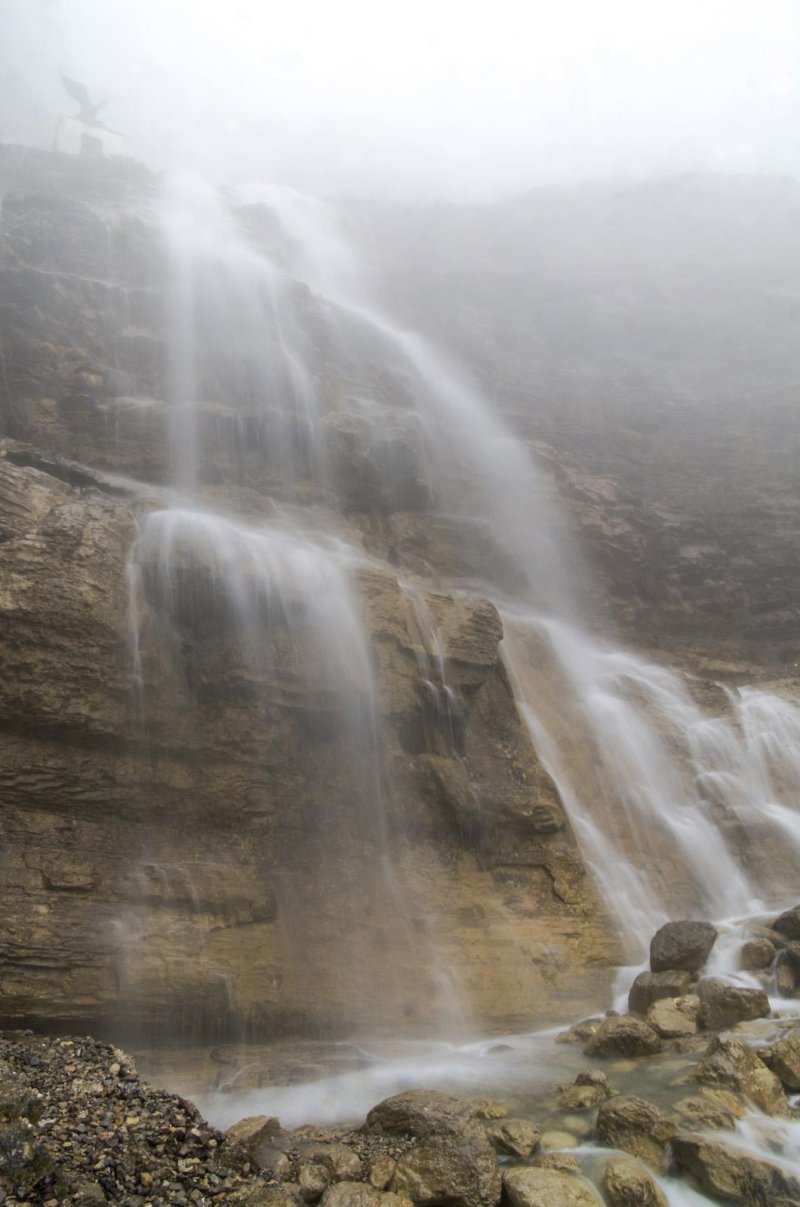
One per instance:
(184, 846)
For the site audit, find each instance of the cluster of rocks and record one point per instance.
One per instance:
(774, 952)
(672, 1001)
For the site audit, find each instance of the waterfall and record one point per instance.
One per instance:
(278, 361)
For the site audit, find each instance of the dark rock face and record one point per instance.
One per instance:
(682, 945)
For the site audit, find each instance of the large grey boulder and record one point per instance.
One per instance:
(685, 945)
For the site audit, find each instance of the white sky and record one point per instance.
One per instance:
(437, 99)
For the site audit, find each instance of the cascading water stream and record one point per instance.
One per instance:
(657, 791)
(659, 784)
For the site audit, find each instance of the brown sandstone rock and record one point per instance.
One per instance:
(788, 923)
(623, 1036)
(637, 1127)
(313, 1181)
(723, 1005)
(457, 1169)
(717, 1109)
(734, 1177)
(756, 954)
(730, 1063)
(357, 1194)
(381, 1172)
(626, 1183)
(341, 1162)
(420, 1113)
(783, 1058)
(650, 987)
(541, 1187)
(672, 1017)
(513, 1137)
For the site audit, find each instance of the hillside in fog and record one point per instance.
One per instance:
(649, 331)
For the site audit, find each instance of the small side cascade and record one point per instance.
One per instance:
(289, 603)
(445, 706)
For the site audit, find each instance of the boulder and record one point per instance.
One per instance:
(487, 1108)
(513, 1137)
(756, 954)
(724, 1005)
(673, 1017)
(565, 1162)
(649, 987)
(580, 1032)
(420, 1113)
(729, 1062)
(624, 1035)
(714, 1109)
(341, 1162)
(254, 1130)
(358, 1194)
(732, 1176)
(626, 1183)
(23, 1160)
(313, 1181)
(580, 1097)
(783, 1058)
(686, 945)
(637, 1127)
(787, 969)
(458, 1170)
(788, 924)
(381, 1172)
(556, 1139)
(537, 1187)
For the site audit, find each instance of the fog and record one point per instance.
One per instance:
(416, 100)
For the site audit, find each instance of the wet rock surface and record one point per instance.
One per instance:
(682, 945)
(731, 1176)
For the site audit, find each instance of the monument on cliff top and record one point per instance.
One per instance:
(84, 134)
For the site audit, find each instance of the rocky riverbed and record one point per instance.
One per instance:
(716, 1112)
